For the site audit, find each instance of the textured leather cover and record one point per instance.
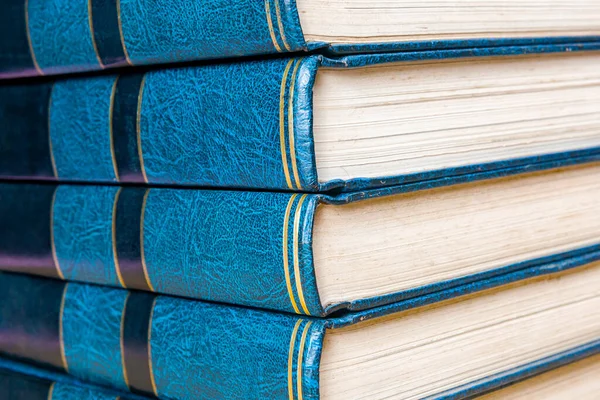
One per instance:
(40, 37)
(57, 36)
(234, 125)
(23, 382)
(188, 349)
(247, 248)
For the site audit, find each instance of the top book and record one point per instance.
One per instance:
(57, 36)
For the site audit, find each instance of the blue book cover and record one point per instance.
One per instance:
(181, 349)
(269, 249)
(251, 125)
(42, 37)
(19, 381)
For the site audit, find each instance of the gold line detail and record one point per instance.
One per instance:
(280, 24)
(29, 42)
(286, 266)
(291, 125)
(114, 238)
(300, 357)
(122, 343)
(138, 128)
(51, 391)
(61, 338)
(52, 160)
(291, 361)
(270, 22)
(52, 244)
(150, 349)
(286, 170)
(110, 128)
(142, 256)
(123, 45)
(297, 276)
(91, 25)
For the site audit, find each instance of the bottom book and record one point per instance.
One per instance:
(23, 382)
(579, 380)
(454, 343)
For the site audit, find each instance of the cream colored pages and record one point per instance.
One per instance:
(425, 352)
(360, 21)
(580, 381)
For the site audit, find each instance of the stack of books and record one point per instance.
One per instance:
(269, 199)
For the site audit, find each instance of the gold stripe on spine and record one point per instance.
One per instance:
(114, 238)
(51, 391)
(52, 160)
(296, 239)
(280, 25)
(29, 42)
(52, 244)
(110, 128)
(286, 170)
(122, 342)
(138, 129)
(300, 357)
(152, 381)
(61, 338)
(291, 125)
(142, 256)
(123, 45)
(286, 266)
(91, 25)
(270, 22)
(291, 361)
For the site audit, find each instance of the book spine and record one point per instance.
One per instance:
(247, 248)
(39, 37)
(160, 345)
(16, 386)
(242, 125)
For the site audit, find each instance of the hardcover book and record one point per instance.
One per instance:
(455, 342)
(309, 123)
(56, 36)
(19, 386)
(309, 254)
(578, 380)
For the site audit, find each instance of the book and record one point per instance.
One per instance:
(178, 348)
(310, 254)
(19, 386)
(310, 123)
(576, 380)
(49, 37)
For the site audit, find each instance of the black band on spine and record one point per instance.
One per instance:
(30, 319)
(15, 57)
(25, 140)
(106, 32)
(25, 239)
(124, 127)
(16, 386)
(136, 356)
(128, 238)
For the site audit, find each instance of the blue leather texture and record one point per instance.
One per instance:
(91, 339)
(82, 240)
(61, 36)
(81, 137)
(246, 248)
(28, 382)
(229, 125)
(199, 350)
